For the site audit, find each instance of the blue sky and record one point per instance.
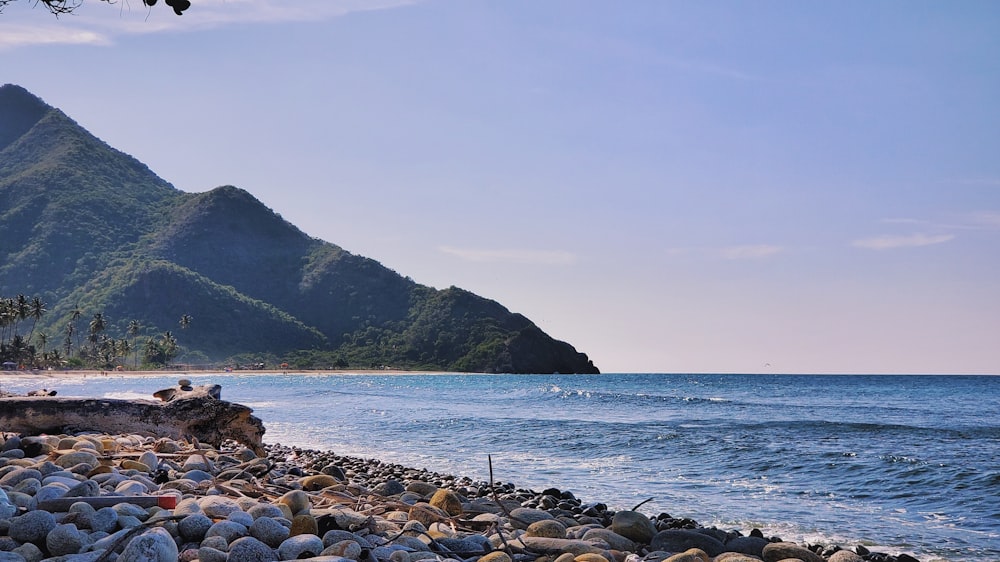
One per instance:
(777, 186)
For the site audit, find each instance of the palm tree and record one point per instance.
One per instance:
(97, 325)
(43, 341)
(35, 311)
(151, 351)
(185, 321)
(169, 347)
(7, 315)
(124, 348)
(68, 342)
(134, 327)
(74, 315)
(21, 311)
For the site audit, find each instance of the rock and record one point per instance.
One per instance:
(216, 542)
(218, 507)
(249, 549)
(335, 471)
(613, 539)
(317, 482)
(134, 465)
(680, 540)
(193, 527)
(104, 520)
(590, 557)
(754, 546)
(297, 546)
(633, 525)
(85, 489)
(269, 531)
(184, 390)
(149, 459)
(472, 545)
(296, 500)
(389, 488)
(241, 517)
(78, 457)
(304, 524)
(690, 555)
(421, 488)
(32, 527)
(736, 557)
(228, 530)
(29, 552)
(64, 539)
(776, 551)
(547, 545)
(350, 550)
(209, 554)
(336, 536)
(845, 556)
(522, 517)
(131, 488)
(16, 476)
(448, 501)
(496, 556)
(155, 545)
(7, 508)
(265, 510)
(197, 462)
(547, 528)
(427, 514)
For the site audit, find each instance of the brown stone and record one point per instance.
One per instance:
(547, 528)
(777, 551)
(303, 524)
(447, 501)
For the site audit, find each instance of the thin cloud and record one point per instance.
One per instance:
(520, 256)
(754, 252)
(985, 220)
(979, 220)
(911, 241)
(30, 36)
(976, 182)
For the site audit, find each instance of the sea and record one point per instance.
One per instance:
(896, 463)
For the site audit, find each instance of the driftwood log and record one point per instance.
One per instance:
(190, 412)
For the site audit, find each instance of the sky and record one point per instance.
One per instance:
(686, 187)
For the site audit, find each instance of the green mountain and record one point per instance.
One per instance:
(91, 230)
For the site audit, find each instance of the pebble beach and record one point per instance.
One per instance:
(139, 498)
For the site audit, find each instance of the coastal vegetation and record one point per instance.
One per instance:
(131, 271)
(60, 7)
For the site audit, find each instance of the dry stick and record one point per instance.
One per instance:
(496, 498)
(640, 504)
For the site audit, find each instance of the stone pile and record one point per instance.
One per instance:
(128, 498)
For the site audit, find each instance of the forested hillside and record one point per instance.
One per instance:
(125, 269)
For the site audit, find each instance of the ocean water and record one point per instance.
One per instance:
(898, 463)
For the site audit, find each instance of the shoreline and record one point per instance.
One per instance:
(292, 451)
(326, 499)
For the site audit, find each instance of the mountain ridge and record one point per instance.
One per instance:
(91, 229)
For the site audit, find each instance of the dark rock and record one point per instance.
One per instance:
(754, 546)
(680, 540)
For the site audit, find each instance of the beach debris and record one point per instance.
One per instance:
(183, 412)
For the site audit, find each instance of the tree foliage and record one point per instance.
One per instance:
(59, 7)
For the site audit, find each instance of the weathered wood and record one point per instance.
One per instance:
(204, 418)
